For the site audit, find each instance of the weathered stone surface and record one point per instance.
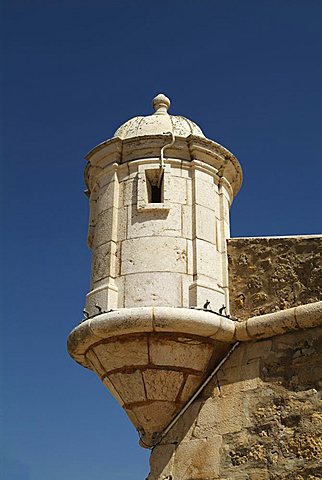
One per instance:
(129, 386)
(154, 222)
(269, 274)
(265, 408)
(149, 254)
(162, 384)
(205, 224)
(161, 462)
(197, 459)
(156, 289)
(156, 415)
(122, 353)
(191, 384)
(113, 391)
(206, 193)
(181, 352)
(179, 189)
(96, 365)
(104, 227)
(102, 257)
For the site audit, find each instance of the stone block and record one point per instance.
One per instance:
(309, 315)
(233, 381)
(200, 293)
(154, 254)
(182, 430)
(256, 350)
(155, 416)
(98, 296)
(130, 191)
(186, 217)
(183, 169)
(149, 223)
(190, 257)
(222, 415)
(208, 260)
(205, 177)
(224, 205)
(205, 224)
(122, 353)
(119, 281)
(161, 461)
(178, 190)
(197, 459)
(183, 352)
(121, 224)
(105, 199)
(156, 289)
(104, 227)
(109, 385)
(101, 261)
(131, 415)
(189, 322)
(270, 325)
(192, 383)
(129, 386)
(206, 195)
(222, 232)
(186, 281)
(96, 365)
(162, 384)
(122, 323)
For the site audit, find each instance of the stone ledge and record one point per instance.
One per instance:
(189, 321)
(278, 323)
(148, 319)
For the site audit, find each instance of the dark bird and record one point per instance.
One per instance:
(206, 305)
(85, 313)
(99, 308)
(222, 309)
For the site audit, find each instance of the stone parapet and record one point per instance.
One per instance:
(269, 274)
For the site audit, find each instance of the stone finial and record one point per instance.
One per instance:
(161, 104)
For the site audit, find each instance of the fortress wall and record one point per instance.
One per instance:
(273, 273)
(260, 419)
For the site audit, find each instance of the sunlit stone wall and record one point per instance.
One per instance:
(169, 252)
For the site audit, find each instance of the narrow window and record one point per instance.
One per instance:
(155, 194)
(154, 186)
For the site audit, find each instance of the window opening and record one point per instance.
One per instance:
(155, 194)
(154, 186)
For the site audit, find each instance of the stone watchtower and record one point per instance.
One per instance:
(159, 194)
(157, 314)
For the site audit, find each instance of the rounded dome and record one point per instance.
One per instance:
(159, 123)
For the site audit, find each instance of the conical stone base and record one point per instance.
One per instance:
(152, 360)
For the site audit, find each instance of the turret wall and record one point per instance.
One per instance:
(166, 253)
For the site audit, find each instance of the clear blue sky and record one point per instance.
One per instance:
(248, 72)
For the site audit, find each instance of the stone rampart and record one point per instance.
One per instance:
(273, 273)
(259, 419)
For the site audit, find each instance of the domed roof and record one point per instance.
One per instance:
(159, 123)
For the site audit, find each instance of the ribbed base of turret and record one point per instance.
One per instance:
(152, 359)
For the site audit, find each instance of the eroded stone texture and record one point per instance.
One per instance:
(270, 274)
(181, 352)
(153, 375)
(260, 419)
(162, 384)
